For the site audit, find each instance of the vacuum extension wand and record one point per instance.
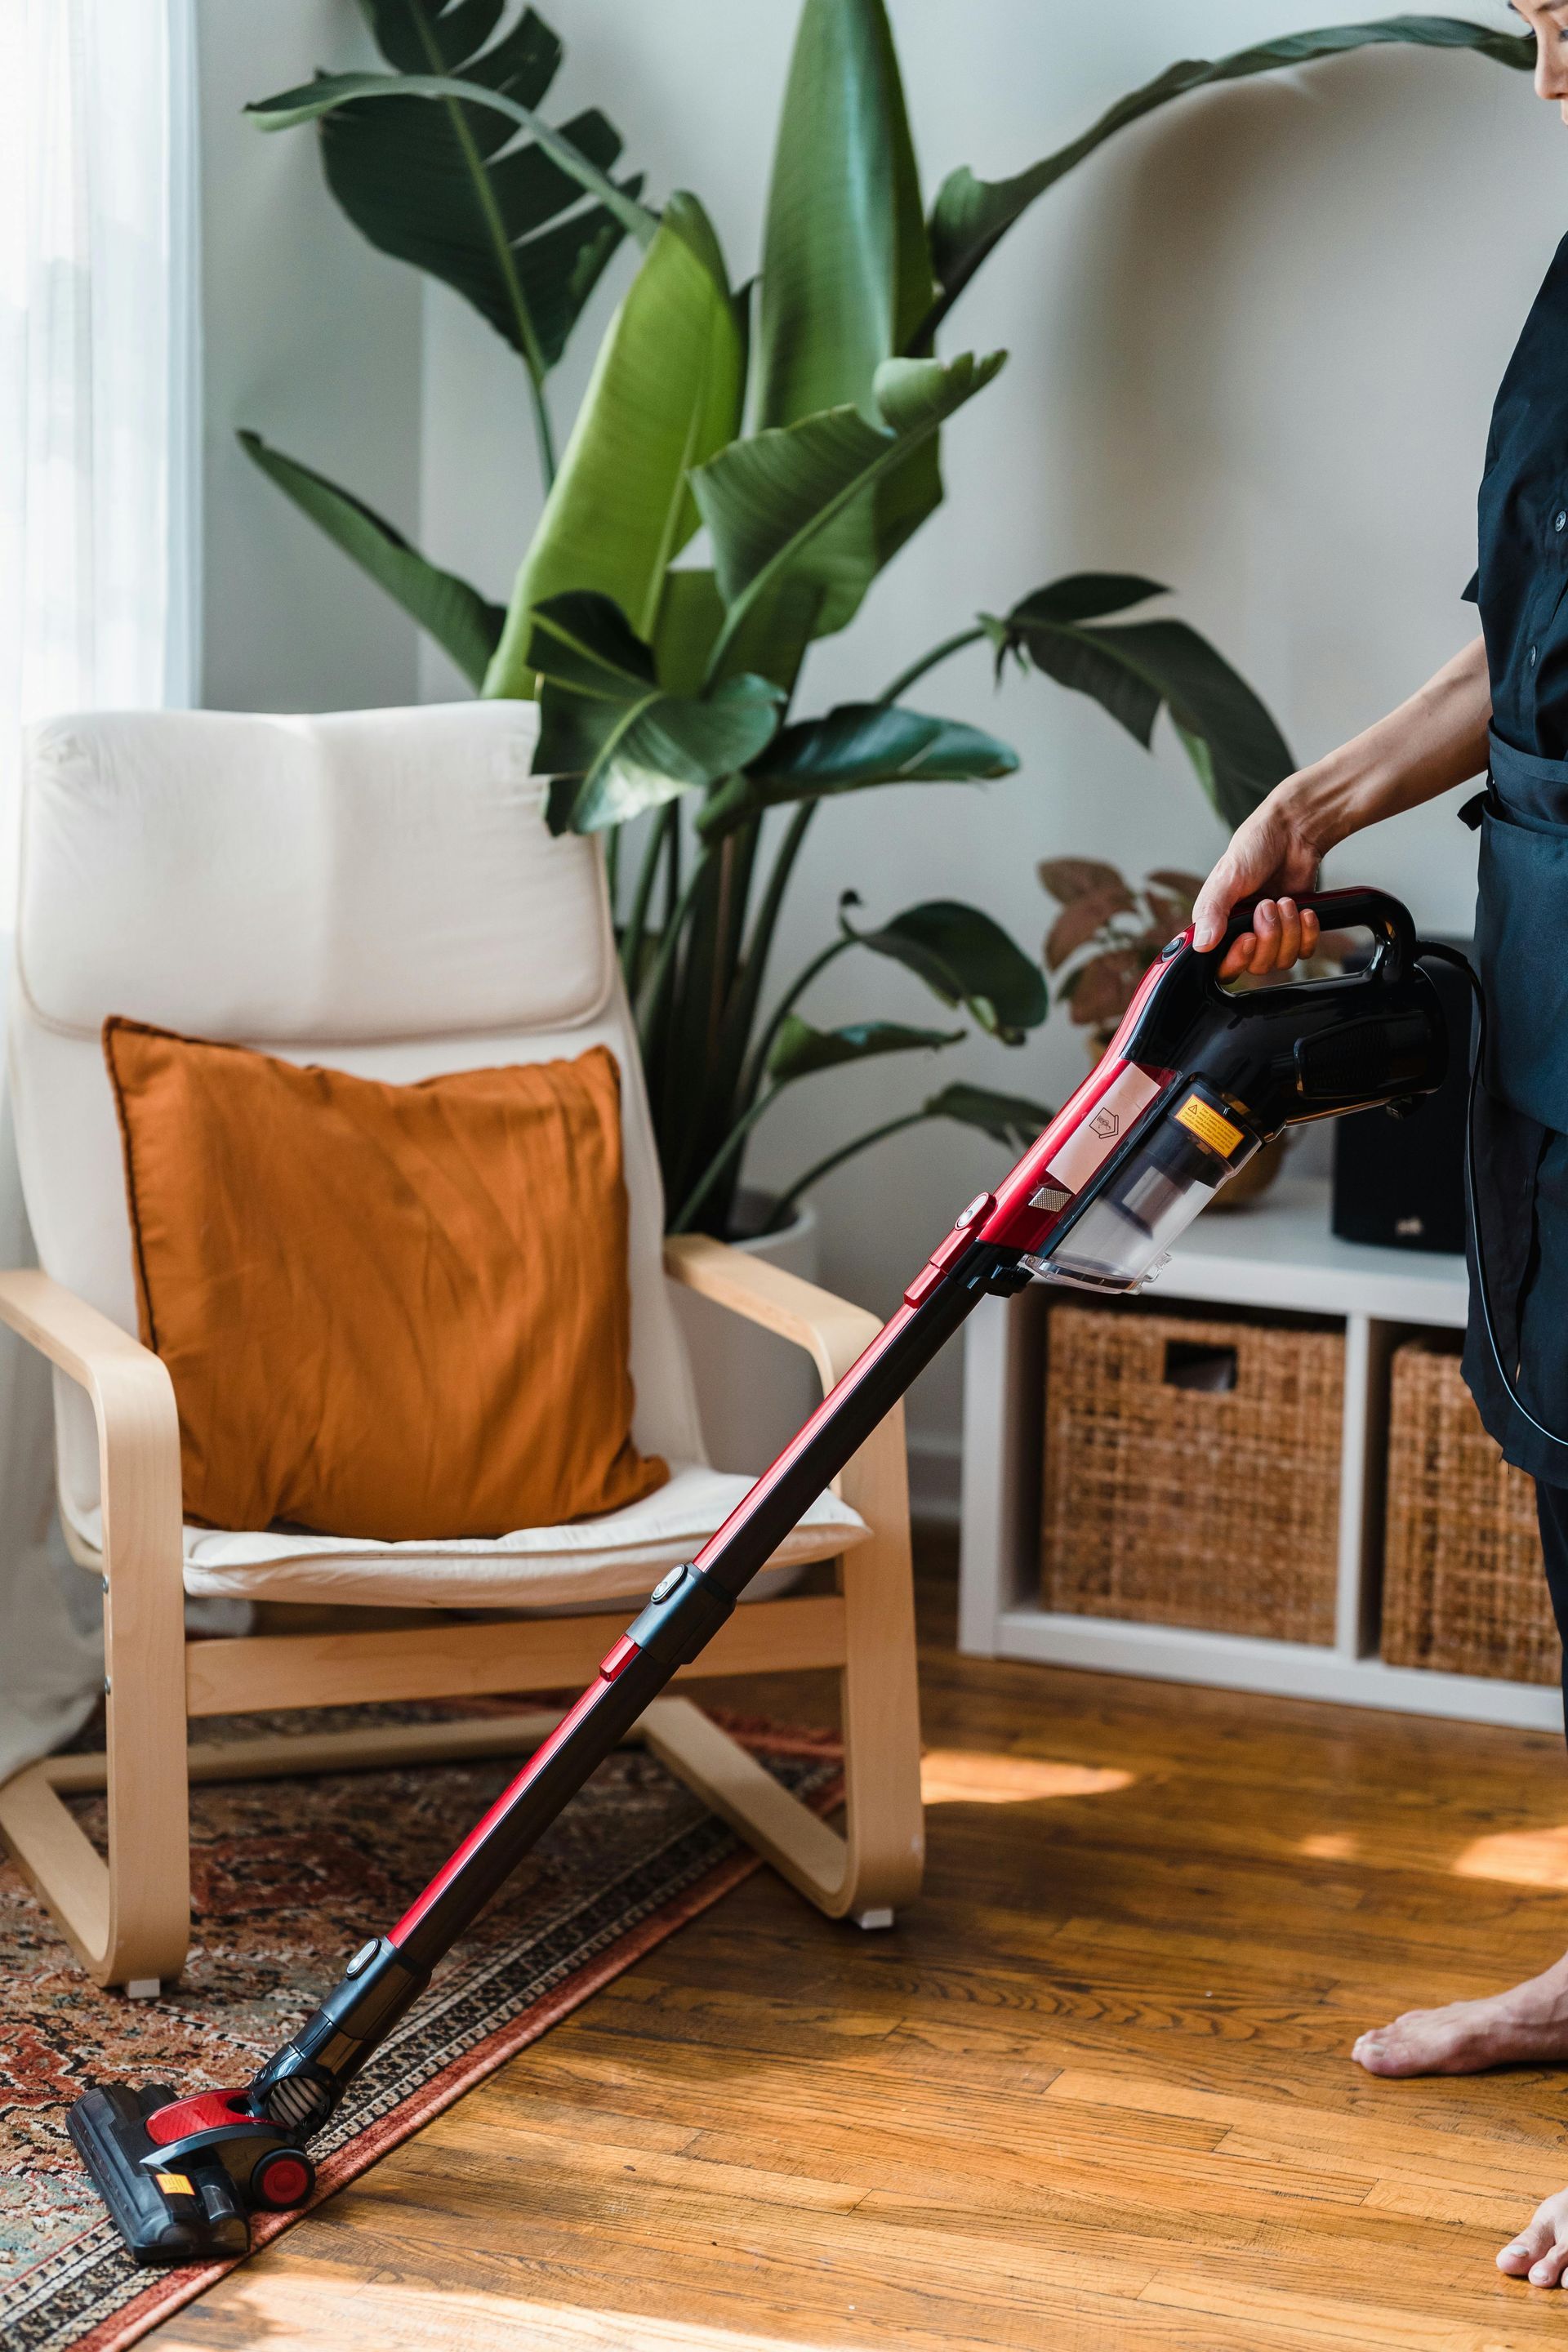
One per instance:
(1195, 1080)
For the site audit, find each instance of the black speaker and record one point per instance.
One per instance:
(1401, 1181)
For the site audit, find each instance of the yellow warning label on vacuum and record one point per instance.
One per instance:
(1208, 1125)
(173, 2184)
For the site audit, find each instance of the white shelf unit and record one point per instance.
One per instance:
(1279, 1254)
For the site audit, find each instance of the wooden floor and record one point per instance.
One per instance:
(1091, 2095)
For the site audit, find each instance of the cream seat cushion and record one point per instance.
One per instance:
(615, 1556)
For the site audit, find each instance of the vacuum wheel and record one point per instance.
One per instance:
(281, 2180)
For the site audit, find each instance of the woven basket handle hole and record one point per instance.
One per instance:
(1195, 1364)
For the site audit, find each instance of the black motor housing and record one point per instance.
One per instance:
(1400, 1184)
(1304, 1050)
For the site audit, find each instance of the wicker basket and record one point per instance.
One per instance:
(1463, 1589)
(1192, 1471)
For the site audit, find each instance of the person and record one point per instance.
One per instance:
(1500, 707)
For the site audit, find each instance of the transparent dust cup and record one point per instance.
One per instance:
(1121, 1240)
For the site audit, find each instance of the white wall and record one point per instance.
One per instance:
(1254, 347)
(312, 339)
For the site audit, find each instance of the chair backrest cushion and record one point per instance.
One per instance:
(377, 891)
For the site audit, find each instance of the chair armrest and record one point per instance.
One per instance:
(75, 1335)
(831, 1332)
(131, 1923)
(133, 1406)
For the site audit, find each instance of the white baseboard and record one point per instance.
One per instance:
(936, 1481)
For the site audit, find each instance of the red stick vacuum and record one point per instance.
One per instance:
(1197, 1080)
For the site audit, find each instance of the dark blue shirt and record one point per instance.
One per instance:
(1520, 1130)
(1521, 582)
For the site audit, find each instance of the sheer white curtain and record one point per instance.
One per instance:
(99, 574)
(97, 354)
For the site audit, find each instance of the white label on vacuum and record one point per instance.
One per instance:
(1102, 1129)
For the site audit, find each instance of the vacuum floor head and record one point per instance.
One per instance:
(164, 2217)
(180, 2177)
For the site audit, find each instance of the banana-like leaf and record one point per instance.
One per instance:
(1138, 667)
(666, 394)
(440, 35)
(1090, 595)
(773, 642)
(859, 744)
(799, 1049)
(770, 502)
(971, 215)
(1012, 1119)
(847, 275)
(447, 188)
(313, 100)
(691, 615)
(966, 959)
(604, 717)
(460, 620)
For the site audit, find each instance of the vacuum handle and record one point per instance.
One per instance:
(1373, 910)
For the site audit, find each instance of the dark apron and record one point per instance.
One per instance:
(1522, 1119)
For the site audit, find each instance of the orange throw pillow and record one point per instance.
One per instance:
(387, 1311)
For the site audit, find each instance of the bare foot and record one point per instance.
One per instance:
(1540, 2252)
(1527, 2024)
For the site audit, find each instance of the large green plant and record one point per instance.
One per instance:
(797, 418)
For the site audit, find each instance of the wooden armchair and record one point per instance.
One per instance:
(378, 891)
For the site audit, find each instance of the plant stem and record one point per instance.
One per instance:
(765, 925)
(545, 438)
(929, 661)
(724, 926)
(636, 921)
(721, 1160)
(786, 1201)
(664, 962)
(780, 1012)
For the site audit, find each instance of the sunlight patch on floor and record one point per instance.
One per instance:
(1330, 1845)
(1521, 1857)
(964, 1776)
(308, 2310)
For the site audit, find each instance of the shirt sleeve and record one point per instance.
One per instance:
(1472, 592)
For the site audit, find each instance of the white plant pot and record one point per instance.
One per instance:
(754, 1389)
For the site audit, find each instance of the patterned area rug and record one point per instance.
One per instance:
(288, 1877)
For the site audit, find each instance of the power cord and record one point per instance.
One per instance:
(1448, 955)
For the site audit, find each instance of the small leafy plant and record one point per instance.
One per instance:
(796, 420)
(1108, 934)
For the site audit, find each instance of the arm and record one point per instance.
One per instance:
(1434, 741)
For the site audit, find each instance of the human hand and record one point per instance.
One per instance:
(1272, 851)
